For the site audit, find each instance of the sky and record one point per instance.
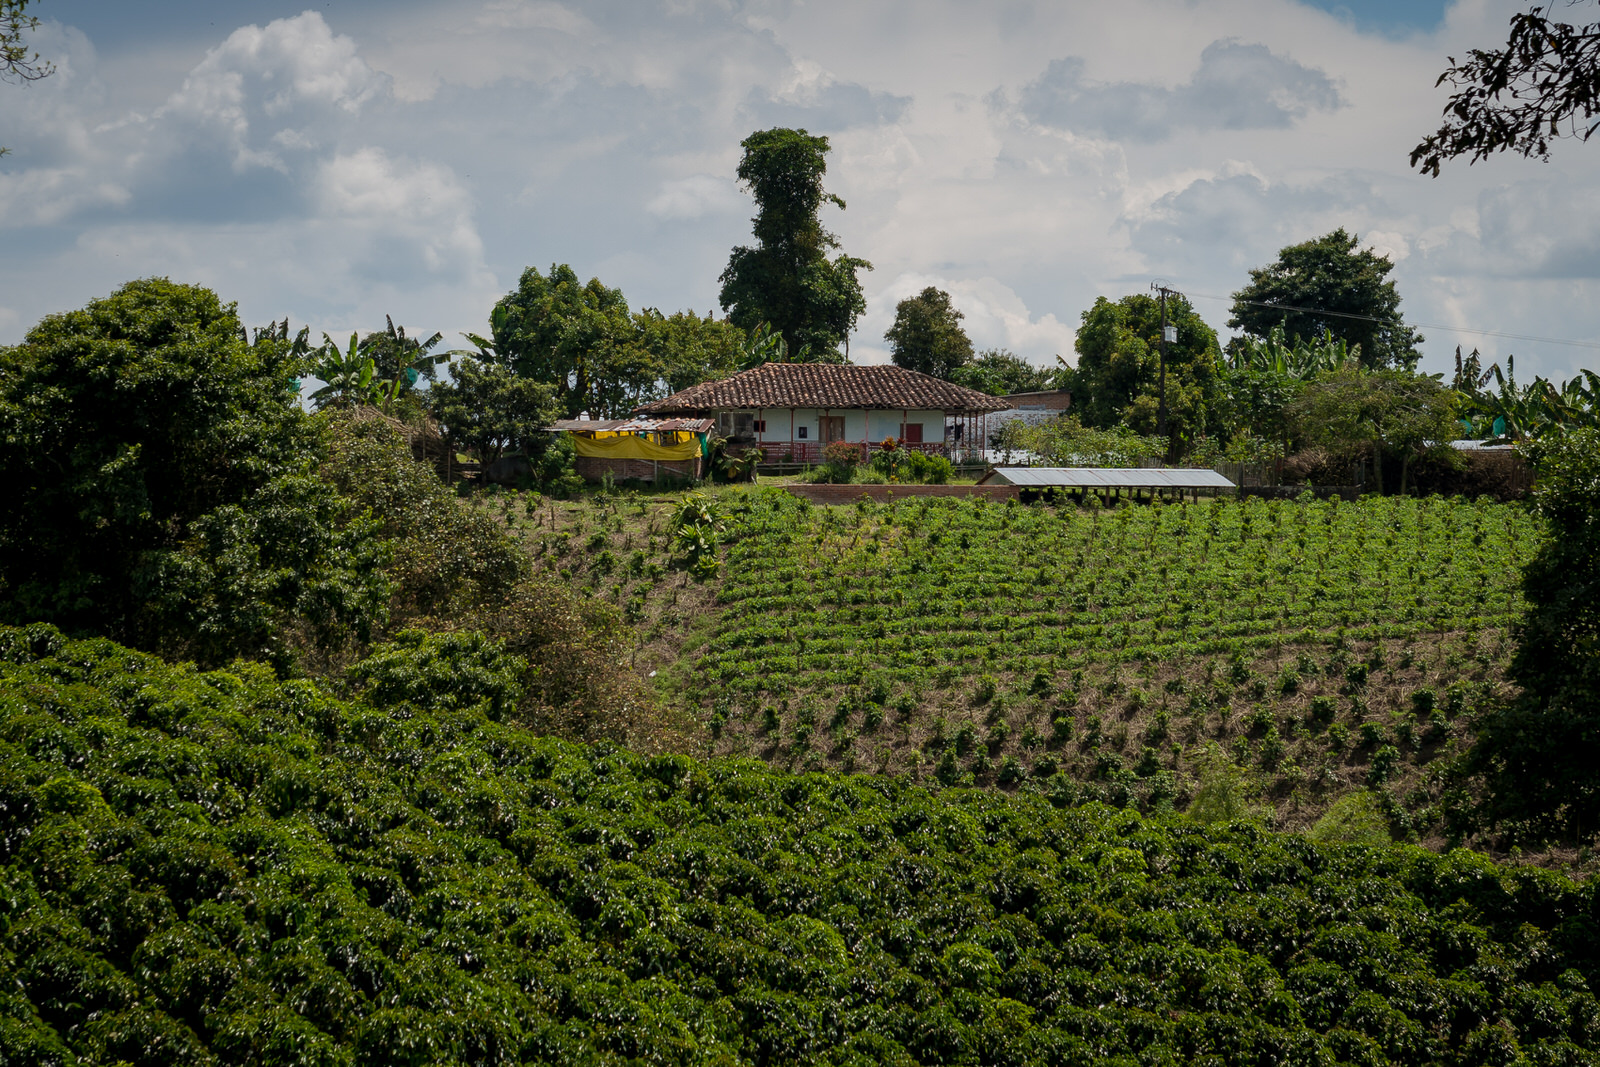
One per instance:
(338, 162)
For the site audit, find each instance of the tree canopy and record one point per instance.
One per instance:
(927, 335)
(1116, 379)
(787, 279)
(579, 338)
(1000, 372)
(163, 485)
(1327, 286)
(490, 409)
(689, 349)
(1542, 86)
(1364, 414)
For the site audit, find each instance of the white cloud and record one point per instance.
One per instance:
(263, 86)
(1237, 86)
(415, 209)
(417, 156)
(695, 196)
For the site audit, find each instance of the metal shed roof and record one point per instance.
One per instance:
(1107, 478)
(632, 425)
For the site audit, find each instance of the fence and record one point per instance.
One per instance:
(1239, 473)
(776, 453)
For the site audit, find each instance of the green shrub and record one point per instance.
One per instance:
(1223, 792)
(220, 867)
(1353, 819)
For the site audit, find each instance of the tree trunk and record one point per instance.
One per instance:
(1377, 467)
(1405, 464)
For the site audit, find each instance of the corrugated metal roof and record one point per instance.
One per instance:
(633, 425)
(1107, 478)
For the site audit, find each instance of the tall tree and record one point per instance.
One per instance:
(1327, 287)
(927, 335)
(1543, 85)
(489, 409)
(1116, 381)
(788, 280)
(579, 338)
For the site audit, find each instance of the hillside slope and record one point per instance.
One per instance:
(1322, 646)
(220, 868)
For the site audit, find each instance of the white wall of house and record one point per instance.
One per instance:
(859, 425)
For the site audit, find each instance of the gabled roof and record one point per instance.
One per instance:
(826, 385)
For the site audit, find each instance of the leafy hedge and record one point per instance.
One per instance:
(218, 867)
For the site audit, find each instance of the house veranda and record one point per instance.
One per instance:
(795, 410)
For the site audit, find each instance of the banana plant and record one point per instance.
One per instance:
(1299, 359)
(763, 345)
(348, 374)
(408, 372)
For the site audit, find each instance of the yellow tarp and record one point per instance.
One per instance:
(680, 445)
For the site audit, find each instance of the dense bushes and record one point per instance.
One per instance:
(202, 868)
(161, 489)
(447, 559)
(454, 568)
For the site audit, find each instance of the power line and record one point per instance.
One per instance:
(1423, 325)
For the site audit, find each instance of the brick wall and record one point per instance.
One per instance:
(849, 494)
(593, 468)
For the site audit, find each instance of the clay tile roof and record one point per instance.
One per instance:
(825, 385)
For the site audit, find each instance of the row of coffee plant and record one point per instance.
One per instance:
(1325, 645)
(202, 868)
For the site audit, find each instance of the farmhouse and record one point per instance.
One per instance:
(795, 410)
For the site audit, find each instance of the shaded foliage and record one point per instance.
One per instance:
(446, 559)
(1542, 86)
(490, 409)
(1535, 755)
(163, 488)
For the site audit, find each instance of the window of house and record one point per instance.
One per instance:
(802, 432)
(760, 425)
(736, 424)
(913, 433)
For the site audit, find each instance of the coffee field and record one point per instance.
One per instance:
(1322, 645)
(207, 868)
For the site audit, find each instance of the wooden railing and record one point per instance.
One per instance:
(811, 451)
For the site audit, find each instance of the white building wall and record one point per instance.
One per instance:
(859, 425)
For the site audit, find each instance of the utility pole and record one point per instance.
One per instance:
(1168, 335)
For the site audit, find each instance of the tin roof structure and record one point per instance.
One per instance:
(827, 385)
(633, 425)
(1106, 478)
